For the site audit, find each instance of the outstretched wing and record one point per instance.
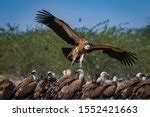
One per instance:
(124, 57)
(58, 26)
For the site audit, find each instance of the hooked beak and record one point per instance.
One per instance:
(77, 73)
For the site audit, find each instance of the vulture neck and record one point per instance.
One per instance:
(100, 81)
(81, 76)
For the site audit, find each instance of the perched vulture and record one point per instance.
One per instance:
(25, 90)
(72, 88)
(109, 91)
(6, 88)
(142, 91)
(100, 79)
(65, 79)
(40, 90)
(51, 77)
(50, 85)
(89, 81)
(44, 87)
(95, 89)
(126, 89)
(66, 74)
(81, 46)
(104, 75)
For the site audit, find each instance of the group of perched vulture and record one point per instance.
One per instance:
(74, 86)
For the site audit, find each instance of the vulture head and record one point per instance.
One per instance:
(51, 74)
(80, 74)
(140, 75)
(34, 72)
(105, 75)
(67, 72)
(87, 47)
(35, 75)
(100, 81)
(115, 79)
(144, 78)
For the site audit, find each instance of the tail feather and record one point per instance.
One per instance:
(66, 52)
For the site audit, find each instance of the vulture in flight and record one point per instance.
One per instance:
(81, 46)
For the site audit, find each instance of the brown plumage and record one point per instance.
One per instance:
(50, 85)
(109, 91)
(62, 88)
(44, 87)
(142, 91)
(82, 46)
(70, 91)
(66, 74)
(6, 88)
(73, 88)
(86, 85)
(54, 91)
(25, 90)
(66, 78)
(40, 90)
(126, 89)
(51, 77)
(95, 90)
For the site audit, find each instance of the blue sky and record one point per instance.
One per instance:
(22, 12)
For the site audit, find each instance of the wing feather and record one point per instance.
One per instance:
(124, 57)
(58, 26)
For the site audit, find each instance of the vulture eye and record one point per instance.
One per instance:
(87, 47)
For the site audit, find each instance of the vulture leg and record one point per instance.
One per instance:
(81, 60)
(74, 59)
(75, 55)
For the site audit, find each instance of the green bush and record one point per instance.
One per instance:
(41, 50)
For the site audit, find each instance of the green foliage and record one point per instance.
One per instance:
(41, 50)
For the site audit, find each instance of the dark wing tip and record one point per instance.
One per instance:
(128, 58)
(43, 16)
(42, 11)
